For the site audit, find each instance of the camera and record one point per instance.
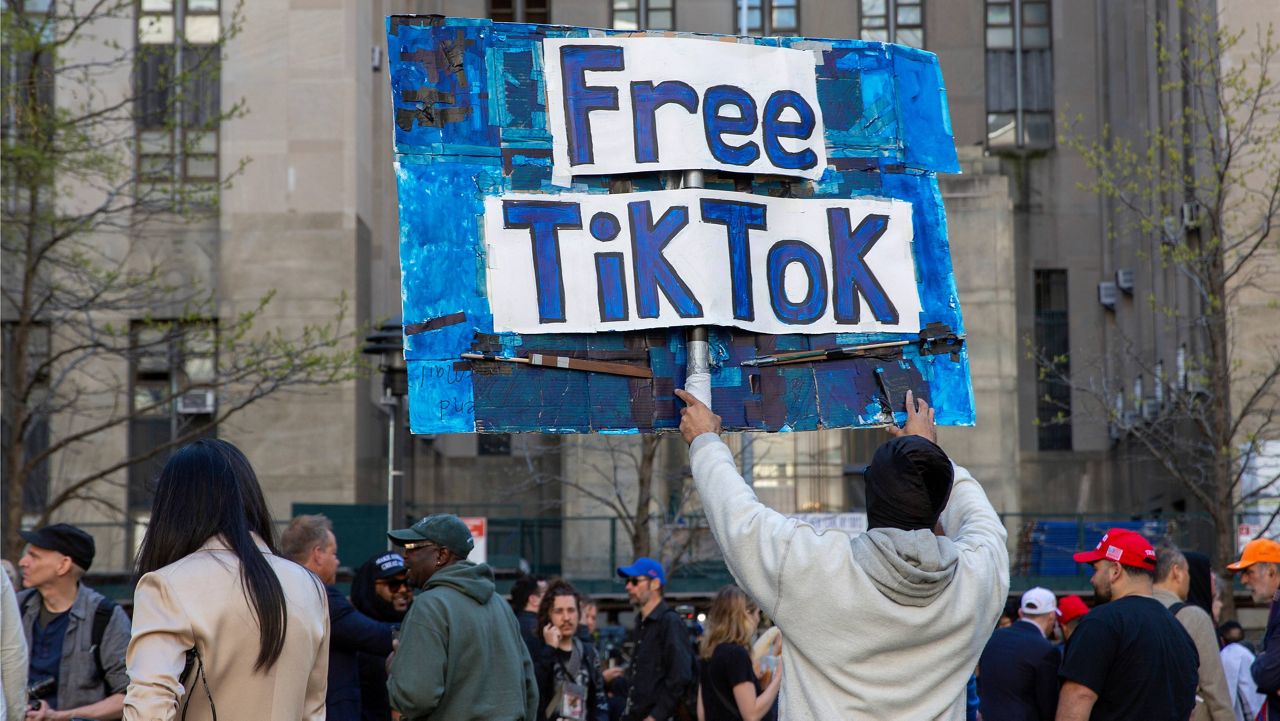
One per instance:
(39, 690)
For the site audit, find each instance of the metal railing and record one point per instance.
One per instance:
(588, 549)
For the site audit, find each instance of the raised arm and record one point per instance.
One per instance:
(754, 538)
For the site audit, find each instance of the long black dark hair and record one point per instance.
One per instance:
(209, 489)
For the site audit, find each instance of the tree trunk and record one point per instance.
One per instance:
(641, 538)
(1224, 553)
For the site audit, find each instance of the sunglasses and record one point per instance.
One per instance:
(420, 544)
(636, 579)
(394, 584)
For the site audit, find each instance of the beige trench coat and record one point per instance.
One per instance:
(199, 600)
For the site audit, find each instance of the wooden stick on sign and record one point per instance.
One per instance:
(566, 363)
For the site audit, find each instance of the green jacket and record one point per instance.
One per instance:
(461, 656)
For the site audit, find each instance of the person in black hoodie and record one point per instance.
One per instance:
(381, 592)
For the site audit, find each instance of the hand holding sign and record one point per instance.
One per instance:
(695, 418)
(919, 420)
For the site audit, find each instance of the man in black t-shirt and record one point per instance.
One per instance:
(1129, 658)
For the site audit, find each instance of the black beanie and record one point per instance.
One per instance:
(908, 483)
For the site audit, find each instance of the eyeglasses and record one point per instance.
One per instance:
(636, 579)
(420, 544)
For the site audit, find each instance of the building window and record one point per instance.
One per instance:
(35, 434)
(644, 14)
(179, 96)
(493, 444)
(520, 11)
(27, 117)
(1019, 74)
(1053, 395)
(798, 472)
(172, 371)
(893, 21)
(770, 17)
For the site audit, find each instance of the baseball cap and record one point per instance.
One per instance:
(1259, 550)
(443, 529)
(644, 567)
(1123, 546)
(388, 564)
(1070, 608)
(65, 539)
(1037, 601)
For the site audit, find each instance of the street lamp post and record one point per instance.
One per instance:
(388, 343)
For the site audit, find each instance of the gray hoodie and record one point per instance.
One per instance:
(885, 625)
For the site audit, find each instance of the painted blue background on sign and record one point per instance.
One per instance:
(471, 122)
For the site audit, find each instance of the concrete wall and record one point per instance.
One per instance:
(980, 225)
(289, 226)
(1255, 314)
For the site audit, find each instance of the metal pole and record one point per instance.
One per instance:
(698, 347)
(1019, 135)
(742, 16)
(406, 461)
(393, 416)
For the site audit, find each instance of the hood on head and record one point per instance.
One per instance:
(472, 579)
(365, 597)
(908, 483)
(909, 567)
(1201, 592)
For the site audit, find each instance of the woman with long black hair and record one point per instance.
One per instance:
(222, 625)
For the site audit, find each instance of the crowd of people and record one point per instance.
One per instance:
(905, 621)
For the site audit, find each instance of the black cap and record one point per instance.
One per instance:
(63, 538)
(388, 564)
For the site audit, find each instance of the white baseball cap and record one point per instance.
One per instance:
(1038, 600)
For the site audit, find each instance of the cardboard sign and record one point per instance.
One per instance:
(591, 263)
(550, 270)
(620, 105)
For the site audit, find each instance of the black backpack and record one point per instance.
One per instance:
(101, 619)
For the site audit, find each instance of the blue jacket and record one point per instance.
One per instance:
(350, 633)
(1018, 675)
(1266, 668)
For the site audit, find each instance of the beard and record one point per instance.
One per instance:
(1101, 590)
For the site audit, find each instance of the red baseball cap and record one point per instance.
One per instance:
(1070, 608)
(1122, 546)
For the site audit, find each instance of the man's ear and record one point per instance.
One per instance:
(65, 565)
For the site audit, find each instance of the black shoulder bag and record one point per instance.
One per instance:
(194, 660)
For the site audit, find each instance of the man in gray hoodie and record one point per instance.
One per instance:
(886, 624)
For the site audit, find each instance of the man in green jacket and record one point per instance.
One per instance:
(460, 655)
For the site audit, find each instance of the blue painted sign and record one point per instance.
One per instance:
(549, 265)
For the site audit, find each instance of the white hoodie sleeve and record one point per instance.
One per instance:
(754, 538)
(971, 522)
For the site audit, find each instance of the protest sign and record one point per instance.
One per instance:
(810, 264)
(542, 234)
